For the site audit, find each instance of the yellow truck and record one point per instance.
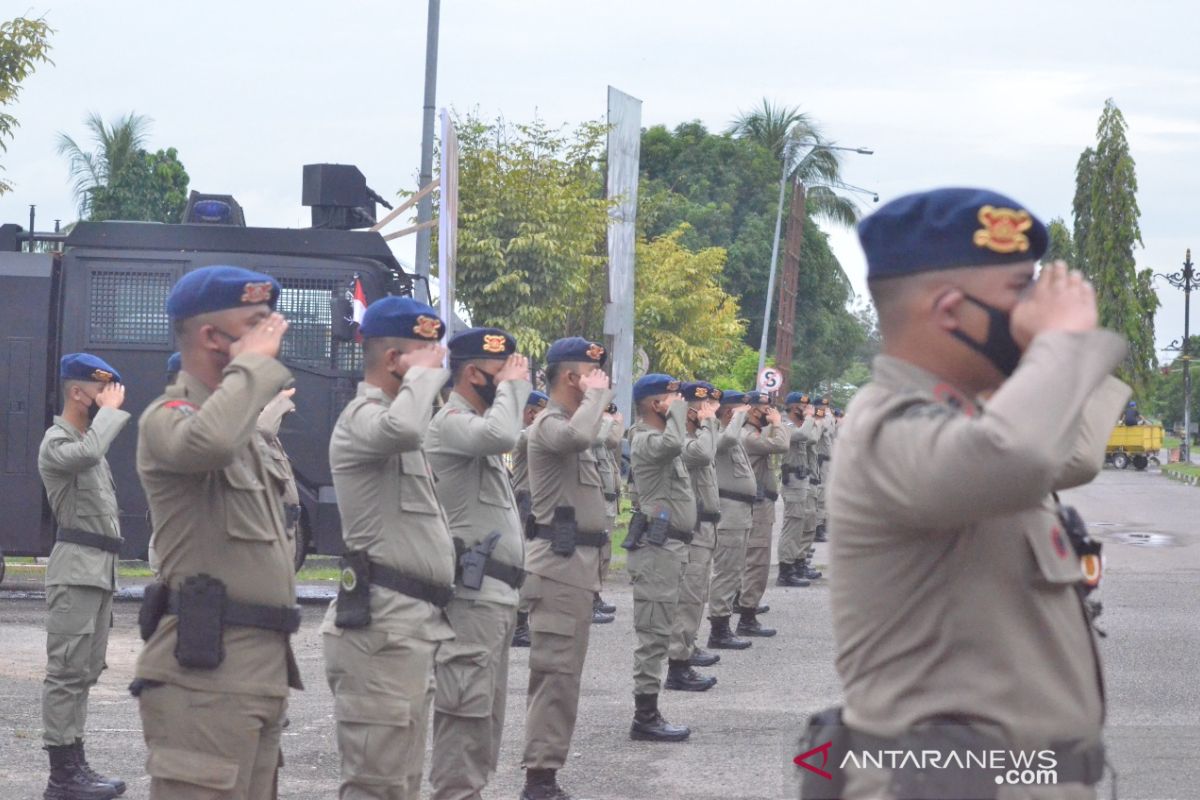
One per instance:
(1134, 444)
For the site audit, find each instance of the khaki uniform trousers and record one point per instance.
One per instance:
(382, 686)
(76, 641)
(210, 745)
(791, 538)
(729, 562)
(822, 515)
(655, 573)
(693, 593)
(560, 621)
(758, 553)
(468, 705)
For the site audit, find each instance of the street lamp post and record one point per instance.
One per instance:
(787, 170)
(1184, 280)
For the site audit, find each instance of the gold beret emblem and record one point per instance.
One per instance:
(716, 394)
(104, 376)
(427, 327)
(493, 343)
(1003, 230)
(701, 393)
(257, 292)
(595, 352)
(541, 403)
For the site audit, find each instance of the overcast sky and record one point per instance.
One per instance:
(1003, 95)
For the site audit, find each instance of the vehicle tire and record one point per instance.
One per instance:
(303, 541)
(1140, 462)
(1120, 460)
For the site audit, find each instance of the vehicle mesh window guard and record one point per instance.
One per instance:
(307, 304)
(129, 307)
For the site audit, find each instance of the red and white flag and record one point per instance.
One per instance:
(358, 305)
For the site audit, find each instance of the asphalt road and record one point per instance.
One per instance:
(744, 731)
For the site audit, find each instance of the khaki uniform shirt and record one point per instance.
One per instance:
(466, 450)
(214, 500)
(662, 478)
(608, 450)
(734, 474)
(520, 462)
(799, 438)
(387, 503)
(823, 449)
(79, 485)
(761, 444)
(268, 426)
(953, 584)
(700, 456)
(564, 471)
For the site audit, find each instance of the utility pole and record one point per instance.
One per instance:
(785, 333)
(425, 206)
(1184, 280)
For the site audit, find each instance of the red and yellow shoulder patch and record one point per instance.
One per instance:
(182, 406)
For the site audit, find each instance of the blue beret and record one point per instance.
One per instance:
(473, 343)
(87, 367)
(174, 362)
(218, 288)
(652, 384)
(732, 397)
(757, 398)
(837, 412)
(401, 318)
(699, 390)
(948, 228)
(796, 397)
(537, 399)
(576, 348)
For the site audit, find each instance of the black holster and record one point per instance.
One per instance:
(354, 591)
(636, 532)
(199, 642)
(473, 562)
(154, 606)
(524, 506)
(564, 528)
(291, 515)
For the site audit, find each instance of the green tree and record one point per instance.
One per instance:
(1169, 390)
(1106, 231)
(24, 43)
(119, 178)
(1061, 246)
(685, 321)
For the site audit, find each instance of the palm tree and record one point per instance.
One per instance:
(118, 145)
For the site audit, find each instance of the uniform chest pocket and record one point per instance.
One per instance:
(1054, 558)
(94, 494)
(494, 488)
(681, 482)
(741, 464)
(589, 469)
(247, 515)
(416, 486)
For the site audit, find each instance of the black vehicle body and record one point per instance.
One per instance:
(105, 293)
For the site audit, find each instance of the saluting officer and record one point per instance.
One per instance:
(608, 456)
(269, 422)
(699, 456)
(763, 436)
(736, 489)
(212, 680)
(535, 405)
(466, 444)
(793, 544)
(381, 633)
(563, 558)
(81, 574)
(823, 450)
(957, 583)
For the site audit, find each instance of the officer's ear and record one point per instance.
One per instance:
(946, 307)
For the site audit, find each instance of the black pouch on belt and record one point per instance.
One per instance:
(659, 528)
(354, 591)
(637, 530)
(199, 643)
(154, 605)
(564, 529)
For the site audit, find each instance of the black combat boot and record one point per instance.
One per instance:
(598, 604)
(804, 570)
(702, 658)
(737, 603)
(649, 725)
(821, 537)
(720, 637)
(749, 626)
(86, 769)
(682, 678)
(600, 618)
(790, 575)
(541, 785)
(68, 782)
(521, 632)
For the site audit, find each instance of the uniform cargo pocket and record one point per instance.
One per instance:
(371, 709)
(190, 767)
(553, 634)
(246, 515)
(416, 488)
(465, 685)
(589, 469)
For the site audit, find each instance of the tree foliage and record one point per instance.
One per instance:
(1106, 231)
(119, 178)
(1061, 246)
(24, 44)
(684, 320)
(1169, 391)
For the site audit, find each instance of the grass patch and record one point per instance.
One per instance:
(1171, 442)
(318, 574)
(1182, 469)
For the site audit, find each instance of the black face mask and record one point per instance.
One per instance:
(487, 392)
(1000, 347)
(93, 410)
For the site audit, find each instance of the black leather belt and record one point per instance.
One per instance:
(505, 573)
(285, 619)
(397, 581)
(814, 481)
(611, 496)
(582, 538)
(709, 516)
(738, 496)
(109, 544)
(822, 459)
(772, 496)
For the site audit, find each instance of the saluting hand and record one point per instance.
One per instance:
(516, 368)
(596, 379)
(772, 415)
(263, 339)
(707, 410)
(433, 357)
(111, 396)
(1061, 300)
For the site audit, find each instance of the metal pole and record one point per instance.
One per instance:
(1185, 454)
(762, 347)
(32, 218)
(425, 206)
